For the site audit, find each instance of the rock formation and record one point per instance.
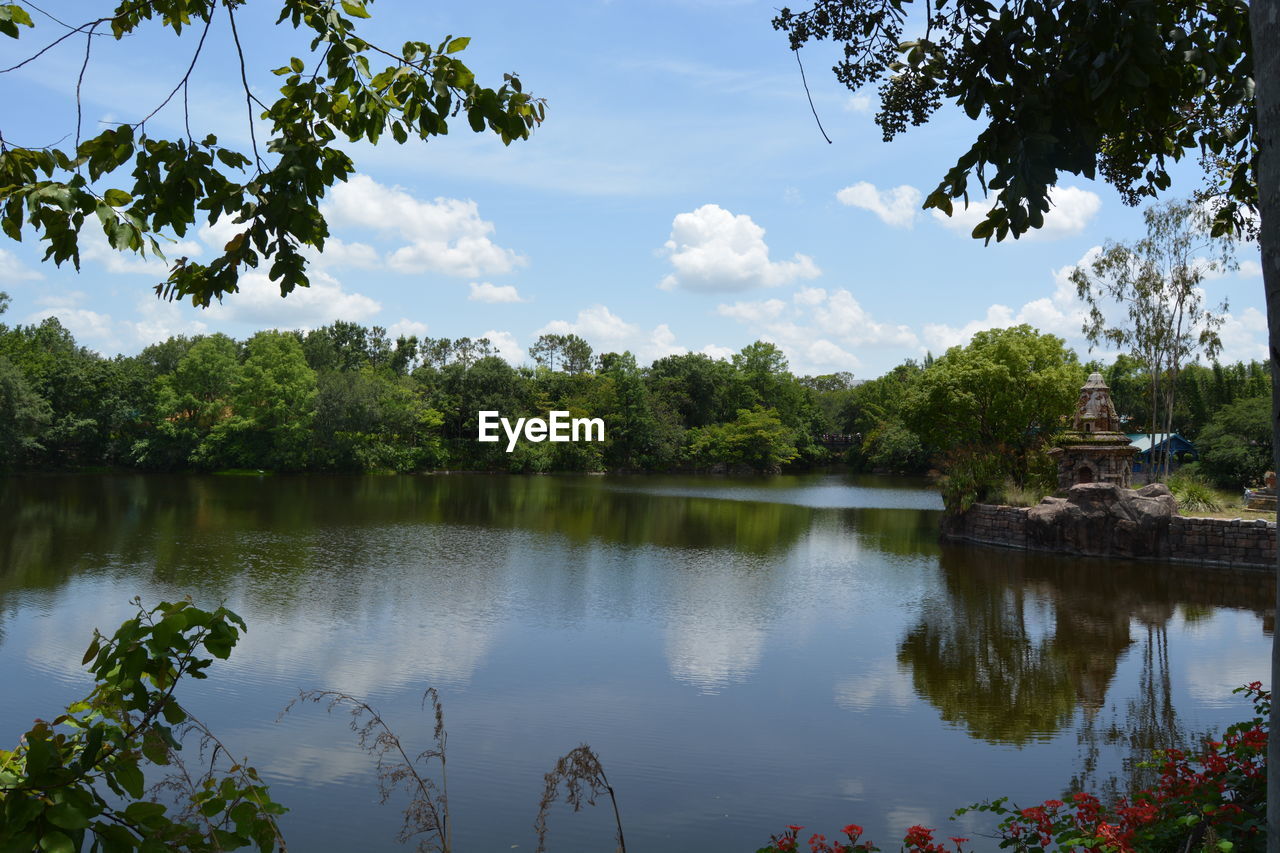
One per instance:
(1103, 519)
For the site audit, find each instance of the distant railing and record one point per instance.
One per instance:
(833, 440)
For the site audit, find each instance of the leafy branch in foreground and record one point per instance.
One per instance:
(335, 91)
(52, 785)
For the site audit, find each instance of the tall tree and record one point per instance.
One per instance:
(273, 405)
(272, 191)
(1157, 283)
(1003, 395)
(547, 349)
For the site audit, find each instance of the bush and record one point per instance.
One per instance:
(1193, 494)
(1215, 800)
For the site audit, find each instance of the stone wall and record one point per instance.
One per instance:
(987, 524)
(1223, 542)
(1099, 520)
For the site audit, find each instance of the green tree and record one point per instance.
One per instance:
(757, 438)
(190, 402)
(273, 191)
(64, 374)
(1157, 282)
(369, 419)
(696, 386)
(547, 349)
(1235, 446)
(638, 435)
(577, 354)
(1002, 396)
(24, 414)
(273, 405)
(874, 413)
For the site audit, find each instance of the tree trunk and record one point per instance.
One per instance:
(1264, 22)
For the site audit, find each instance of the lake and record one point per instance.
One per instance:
(741, 653)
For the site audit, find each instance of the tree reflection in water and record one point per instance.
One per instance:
(1018, 643)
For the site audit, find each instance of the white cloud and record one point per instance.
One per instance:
(1061, 313)
(506, 345)
(858, 104)
(716, 351)
(1250, 269)
(1071, 209)
(152, 320)
(662, 343)
(714, 250)
(404, 327)
(445, 235)
(941, 337)
(819, 329)
(94, 247)
(840, 314)
(90, 328)
(338, 253)
(754, 313)
(897, 207)
(486, 292)
(607, 332)
(258, 304)
(12, 269)
(597, 324)
(1244, 336)
(157, 320)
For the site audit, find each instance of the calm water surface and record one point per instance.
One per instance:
(742, 653)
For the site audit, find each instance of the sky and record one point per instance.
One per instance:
(679, 197)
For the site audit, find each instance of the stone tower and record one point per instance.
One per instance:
(1094, 450)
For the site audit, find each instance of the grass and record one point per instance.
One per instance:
(1198, 499)
(1194, 495)
(1011, 494)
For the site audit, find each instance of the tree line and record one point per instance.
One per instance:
(346, 397)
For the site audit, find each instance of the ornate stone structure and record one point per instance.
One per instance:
(1094, 450)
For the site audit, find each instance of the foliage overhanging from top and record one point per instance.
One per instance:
(1118, 89)
(272, 191)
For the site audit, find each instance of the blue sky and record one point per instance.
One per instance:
(679, 197)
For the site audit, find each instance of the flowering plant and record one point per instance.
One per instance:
(1214, 800)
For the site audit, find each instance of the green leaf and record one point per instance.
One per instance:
(66, 816)
(92, 652)
(56, 842)
(117, 198)
(460, 43)
(130, 778)
(209, 808)
(355, 8)
(144, 813)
